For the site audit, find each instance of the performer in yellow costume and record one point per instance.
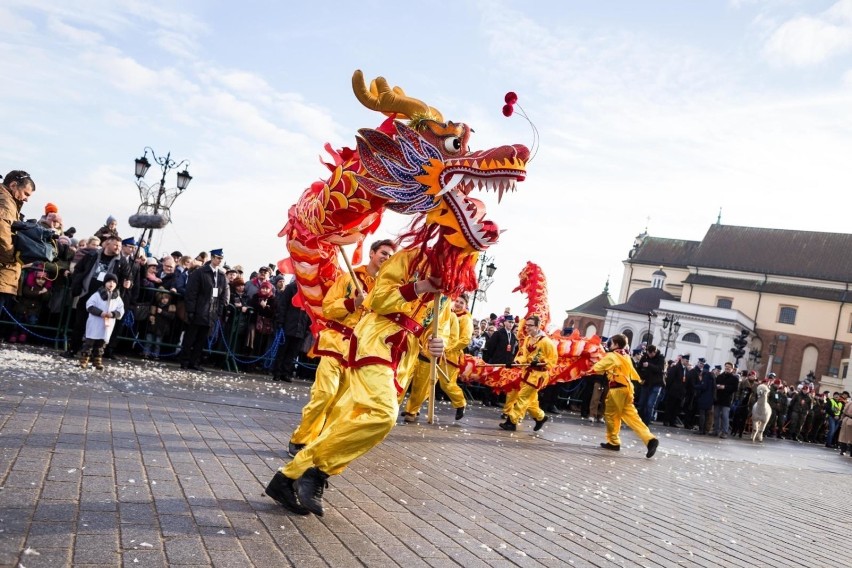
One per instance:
(420, 379)
(619, 369)
(343, 308)
(384, 346)
(538, 352)
(460, 333)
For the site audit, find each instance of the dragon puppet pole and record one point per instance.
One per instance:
(433, 362)
(355, 280)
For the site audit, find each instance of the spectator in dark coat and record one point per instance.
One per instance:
(650, 368)
(726, 387)
(704, 393)
(675, 391)
(296, 323)
(88, 278)
(207, 294)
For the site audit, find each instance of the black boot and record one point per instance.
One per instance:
(459, 413)
(508, 425)
(539, 424)
(309, 489)
(282, 489)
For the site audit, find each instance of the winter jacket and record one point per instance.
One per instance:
(202, 308)
(99, 303)
(10, 270)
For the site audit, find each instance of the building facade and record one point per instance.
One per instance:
(790, 290)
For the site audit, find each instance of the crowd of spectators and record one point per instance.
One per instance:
(258, 321)
(259, 318)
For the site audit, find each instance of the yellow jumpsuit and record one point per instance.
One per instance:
(332, 345)
(619, 401)
(421, 382)
(541, 350)
(384, 346)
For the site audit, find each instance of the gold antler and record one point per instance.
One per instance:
(381, 97)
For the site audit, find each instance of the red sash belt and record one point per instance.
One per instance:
(406, 323)
(339, 327)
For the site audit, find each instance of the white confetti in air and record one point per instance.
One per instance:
(551, 529)
(72, 470)
(403, 501)
(146, 544)
(32, 552)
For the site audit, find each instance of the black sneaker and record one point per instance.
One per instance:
(281, 489)
(652, 447)
(294, 449)
(459, 413)
(539, 424)
(508, 426)
(608, 446)
(309, 489)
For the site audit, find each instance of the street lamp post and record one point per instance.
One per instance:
(157, 199)
(755, 357)
(649, 336)
(482, 284)
(671, 323)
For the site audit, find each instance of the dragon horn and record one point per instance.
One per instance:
(381, 97)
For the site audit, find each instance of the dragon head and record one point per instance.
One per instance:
(426, 166)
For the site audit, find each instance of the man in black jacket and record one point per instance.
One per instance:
(296, 323)
(207, 294)
(650, 369)
(726, 387)
(500, 349)
(675, 391)
(88, 277)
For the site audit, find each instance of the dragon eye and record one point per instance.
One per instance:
(452, 144)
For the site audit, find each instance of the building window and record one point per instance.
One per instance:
(591, 330)
(691, 338)
(724, 303)
(628, 333)
(787, 315)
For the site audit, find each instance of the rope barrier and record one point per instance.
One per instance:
(27, 329)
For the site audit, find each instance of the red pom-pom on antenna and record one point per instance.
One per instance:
(508, 110)
(510, 98)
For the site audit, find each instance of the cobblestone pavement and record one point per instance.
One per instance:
(146, 465)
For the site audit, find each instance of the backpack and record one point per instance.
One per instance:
(33, 243)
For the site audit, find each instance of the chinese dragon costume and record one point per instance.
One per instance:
(576, 354)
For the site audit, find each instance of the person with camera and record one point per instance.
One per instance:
(15, 190)
(651, 366)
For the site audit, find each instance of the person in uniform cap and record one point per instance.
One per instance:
(129, 241)
(207, 293)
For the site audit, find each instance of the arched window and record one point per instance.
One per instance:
(647, 339)
(810, 356)
(690, 338)
(628, 333)
(591, 330)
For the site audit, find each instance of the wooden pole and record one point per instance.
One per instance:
(433, 362)
(351, 271)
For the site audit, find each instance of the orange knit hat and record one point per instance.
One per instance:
(51, 208)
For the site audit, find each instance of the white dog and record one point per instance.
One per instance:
(760, 413)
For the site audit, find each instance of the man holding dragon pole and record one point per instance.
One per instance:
(423, 168)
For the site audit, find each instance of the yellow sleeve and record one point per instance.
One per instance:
(334, 304)
(548, 354)
(465, 333)
(387, 295)
(605, 364)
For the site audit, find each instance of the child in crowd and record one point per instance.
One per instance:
(33, 296)
(105, 308)
(160, 320)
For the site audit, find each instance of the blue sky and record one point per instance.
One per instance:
(652, 113)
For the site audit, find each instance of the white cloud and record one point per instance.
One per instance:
(808, 40)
